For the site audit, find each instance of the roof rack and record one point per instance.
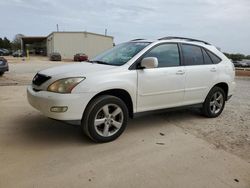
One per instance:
(183, 38)
(137, 39)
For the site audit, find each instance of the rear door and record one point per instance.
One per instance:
(201, 73)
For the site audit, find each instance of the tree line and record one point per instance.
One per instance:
(11, 45)
(237, 57)
(5, 43)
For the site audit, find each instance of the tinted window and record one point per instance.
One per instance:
(192, 54)
(207, 59)
(167, 55)
(214, 58)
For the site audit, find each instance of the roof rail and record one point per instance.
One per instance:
(183, 38)
(137, 39)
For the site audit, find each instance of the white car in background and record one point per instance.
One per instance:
(133, 77)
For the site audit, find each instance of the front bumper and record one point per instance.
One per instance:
(44, 101)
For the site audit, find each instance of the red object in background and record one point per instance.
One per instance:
(80, 57)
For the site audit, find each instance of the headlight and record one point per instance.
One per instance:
(65, 85)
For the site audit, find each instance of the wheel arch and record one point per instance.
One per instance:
(224, 86)
(119, 93)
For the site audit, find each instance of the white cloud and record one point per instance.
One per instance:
(224, 23)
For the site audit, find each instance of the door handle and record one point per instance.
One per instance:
(180, 72)
(213, 69)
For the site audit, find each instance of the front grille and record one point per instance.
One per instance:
(39, 79)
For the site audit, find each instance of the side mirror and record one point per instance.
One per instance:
(149, 62)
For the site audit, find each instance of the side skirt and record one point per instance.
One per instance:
(139, 114)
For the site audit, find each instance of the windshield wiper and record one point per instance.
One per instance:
(99, 62)
(102, 62)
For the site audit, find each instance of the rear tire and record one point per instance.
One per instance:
(105, 118)
(214, 103)
(1, 73)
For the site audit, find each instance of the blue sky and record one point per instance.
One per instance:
(224, 23)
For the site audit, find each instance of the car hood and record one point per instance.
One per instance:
(76, 69)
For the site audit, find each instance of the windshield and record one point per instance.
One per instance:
(120, 54)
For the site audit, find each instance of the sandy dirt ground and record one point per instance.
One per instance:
(244, 72)
(231, 130)
(22, 70)
(170, 149)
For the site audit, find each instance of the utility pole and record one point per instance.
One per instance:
(57, 27)
(106, 32)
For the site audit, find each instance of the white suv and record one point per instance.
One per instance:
(136, 76)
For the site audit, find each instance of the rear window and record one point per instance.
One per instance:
(207, 59)
(214, 58)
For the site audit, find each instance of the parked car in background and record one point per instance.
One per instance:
(18, 53)
(3, 66)
(1, 52)
(4, 51)
(244, 63)
(80, 57)
(31, 51)
(236, 63)
(55, 56)
(40, 51)
(134, 77)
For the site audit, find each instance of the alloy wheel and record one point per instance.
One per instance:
(216, 102)
(108, 120)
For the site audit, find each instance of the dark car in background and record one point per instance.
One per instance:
(55, 56)
(245, 63)
(18, 53)
(3, 66)
(4, 51)
(80, 57)
(236, 63)
(40, 51)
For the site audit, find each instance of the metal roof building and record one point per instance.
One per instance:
(70, 43)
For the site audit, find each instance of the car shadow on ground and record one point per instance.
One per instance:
(147, 120)
(38, 129)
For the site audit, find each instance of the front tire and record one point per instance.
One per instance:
(105, 118)
(214, 103)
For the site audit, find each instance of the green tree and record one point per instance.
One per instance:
(16, 43)
(6, 43)
(1, 42)
(237, 57)
(227, 54)
(247, 57)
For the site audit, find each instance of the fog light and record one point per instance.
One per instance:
(59, 109)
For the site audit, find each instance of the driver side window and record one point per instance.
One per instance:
(167, 55)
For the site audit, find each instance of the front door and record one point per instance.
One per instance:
(164, 86)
